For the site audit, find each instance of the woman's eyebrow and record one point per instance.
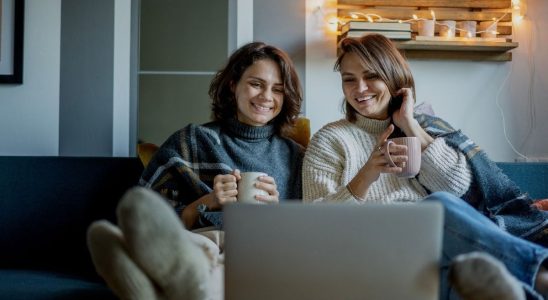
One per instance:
(262, 80)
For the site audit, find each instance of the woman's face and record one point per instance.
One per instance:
(363, 89)
(259, 93)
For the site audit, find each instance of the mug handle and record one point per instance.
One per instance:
(387, 153)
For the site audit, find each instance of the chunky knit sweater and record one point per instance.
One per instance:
(184, 167)
(340, 149)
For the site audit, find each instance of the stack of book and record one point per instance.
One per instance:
(392, 30)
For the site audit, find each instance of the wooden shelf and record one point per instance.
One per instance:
(493, 51)
(462, 10)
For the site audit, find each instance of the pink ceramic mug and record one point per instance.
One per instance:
(413, 164)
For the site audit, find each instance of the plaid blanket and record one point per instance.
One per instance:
(492, 192)
(184, 167)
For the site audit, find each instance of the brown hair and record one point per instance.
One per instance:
(379, 54)
(220, 91)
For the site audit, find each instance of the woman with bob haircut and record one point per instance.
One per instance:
(500, 257)
(150, 254)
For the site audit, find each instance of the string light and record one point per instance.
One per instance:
(415, 18)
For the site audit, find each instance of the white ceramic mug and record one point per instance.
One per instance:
(413, 164)
(246, 187)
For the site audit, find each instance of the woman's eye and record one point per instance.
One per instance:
(348, 79)
(255, 84)
(278, 90)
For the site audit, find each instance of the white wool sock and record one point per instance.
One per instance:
(160, 245)
(108, 252)
(480, 276)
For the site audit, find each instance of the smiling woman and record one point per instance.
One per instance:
(256, 99)
(11, 40)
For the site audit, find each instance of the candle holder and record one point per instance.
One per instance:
(488, 29)
(447, 28)
(425, 27)
(468, 29)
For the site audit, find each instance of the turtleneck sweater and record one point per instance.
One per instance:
(184, 167)
(340, 149)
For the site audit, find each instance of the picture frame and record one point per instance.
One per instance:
(12, 13)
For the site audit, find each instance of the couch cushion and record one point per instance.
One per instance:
(47, 203)
(26, 284)
(531, 177)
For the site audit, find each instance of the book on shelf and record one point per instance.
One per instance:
(380, 26)
(395, 35)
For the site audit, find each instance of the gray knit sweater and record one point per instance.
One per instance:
(340, 149)
(184, 167)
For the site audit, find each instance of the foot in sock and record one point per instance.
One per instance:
(163, 249)
(478, 275)
(112, 262)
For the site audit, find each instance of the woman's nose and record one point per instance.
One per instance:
(267, 94)
(362, 85)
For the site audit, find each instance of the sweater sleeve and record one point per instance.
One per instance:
(444, 169)
(170, 172)
(323, 167)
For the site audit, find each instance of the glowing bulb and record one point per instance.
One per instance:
(354, 16)
(415, 17)
(369, 19)
(518, 19)
(433, 15)
(469, 34)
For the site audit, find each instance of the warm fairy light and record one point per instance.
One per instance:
(333, 24)
(517, 17)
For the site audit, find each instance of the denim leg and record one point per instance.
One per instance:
(467, 230)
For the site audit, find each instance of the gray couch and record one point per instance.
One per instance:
(47, 203)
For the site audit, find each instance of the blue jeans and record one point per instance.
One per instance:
(467, 230)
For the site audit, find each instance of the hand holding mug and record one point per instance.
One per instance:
(225, 187)
(257, 187)
(404, 152)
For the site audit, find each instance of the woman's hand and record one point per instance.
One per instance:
(403, 117)
(377, 164)
(268, 184)
(225, 189)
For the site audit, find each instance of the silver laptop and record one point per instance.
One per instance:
(325, 251)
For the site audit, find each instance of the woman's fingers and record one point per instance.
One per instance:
(385, 134)
(225, 188)
(268, 184)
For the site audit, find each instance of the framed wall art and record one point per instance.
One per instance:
(12, 13)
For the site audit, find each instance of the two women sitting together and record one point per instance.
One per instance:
(256, 98)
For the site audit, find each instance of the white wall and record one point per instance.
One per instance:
(29, 113)
(462, 92)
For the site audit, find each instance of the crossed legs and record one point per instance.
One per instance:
(150, 255)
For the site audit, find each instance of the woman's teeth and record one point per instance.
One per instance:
(360, 99)
(260, 107)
